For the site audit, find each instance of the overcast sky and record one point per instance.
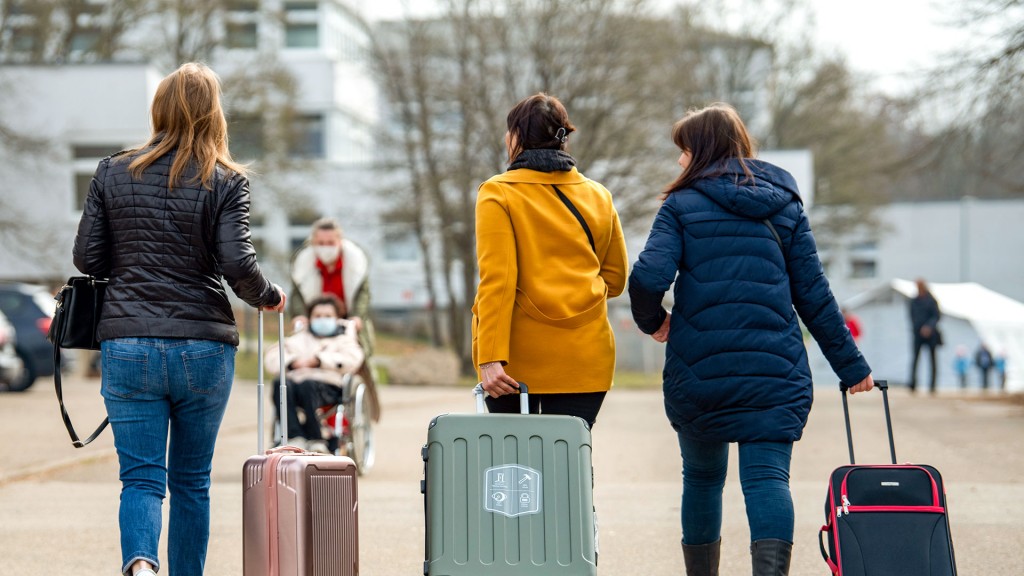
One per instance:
(885, 38)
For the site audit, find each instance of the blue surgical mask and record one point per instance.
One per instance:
(323, 326)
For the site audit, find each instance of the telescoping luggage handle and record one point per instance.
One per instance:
(884, 387)
(282, 420)
(524, 398)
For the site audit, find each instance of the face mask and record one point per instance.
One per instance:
(327, 254)
(323, 326)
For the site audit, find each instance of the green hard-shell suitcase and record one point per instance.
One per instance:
(509, 495)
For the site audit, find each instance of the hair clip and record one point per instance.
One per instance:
(561, 135)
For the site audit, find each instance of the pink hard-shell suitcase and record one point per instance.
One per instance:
(299, 509)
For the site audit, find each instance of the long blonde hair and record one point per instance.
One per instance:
(187, 116)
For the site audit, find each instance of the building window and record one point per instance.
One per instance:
(84, 158)
(301, 28)
(94, 151)
(301, 36)
(243, 5)
(245, 134)
(23, 39)
(82, 182)
(307, 137)
(861, 268)
(94, 8)
(17, 7)
(293, 7)
(400, 245)
(85, 40)
(241, 35)
(864, 246)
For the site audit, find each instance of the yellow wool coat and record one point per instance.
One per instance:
(541, 307)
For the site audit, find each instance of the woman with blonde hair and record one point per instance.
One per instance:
(733, 237)
(166, 222)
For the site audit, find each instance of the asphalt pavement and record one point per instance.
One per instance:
(58, 504)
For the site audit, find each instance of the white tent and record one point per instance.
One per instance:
(971, 314)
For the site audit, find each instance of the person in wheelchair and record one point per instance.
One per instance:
(320, 359)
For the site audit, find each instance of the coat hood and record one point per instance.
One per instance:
(771, 189)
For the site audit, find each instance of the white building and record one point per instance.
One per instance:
(971, 240)
(85, 111)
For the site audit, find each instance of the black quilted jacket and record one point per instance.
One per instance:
(166, 252)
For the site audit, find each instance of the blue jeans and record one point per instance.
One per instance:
(764, 477)
(165, 399)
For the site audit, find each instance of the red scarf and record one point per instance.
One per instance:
(332, 281)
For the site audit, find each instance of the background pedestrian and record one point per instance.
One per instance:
(924, 322)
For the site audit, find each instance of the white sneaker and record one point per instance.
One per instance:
(317, 446)
(298, 442)
(145, 572)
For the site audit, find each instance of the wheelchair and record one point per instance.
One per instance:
(349, 422)
(357, 404)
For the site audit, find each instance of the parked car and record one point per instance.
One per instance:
(11, 366)
(30, 308)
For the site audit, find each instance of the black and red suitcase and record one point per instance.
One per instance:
(886, 519)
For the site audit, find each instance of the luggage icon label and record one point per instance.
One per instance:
(512, 490)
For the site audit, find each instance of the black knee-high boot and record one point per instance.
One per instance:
(702, 559)
(770, 557)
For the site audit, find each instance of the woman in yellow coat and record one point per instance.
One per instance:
(551, 252)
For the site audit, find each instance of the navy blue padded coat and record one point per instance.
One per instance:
(736, 365)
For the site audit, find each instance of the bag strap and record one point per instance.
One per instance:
(572, 208)
(775, 234)
(63, 411)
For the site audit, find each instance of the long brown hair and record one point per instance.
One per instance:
(534, 123)
(187, 116)
(710, 135)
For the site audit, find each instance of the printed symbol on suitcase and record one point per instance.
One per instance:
(512, 490)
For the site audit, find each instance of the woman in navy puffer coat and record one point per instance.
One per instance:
(733, 237)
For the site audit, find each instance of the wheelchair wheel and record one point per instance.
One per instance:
(361, 442)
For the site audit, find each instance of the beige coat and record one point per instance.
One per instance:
(339, 355)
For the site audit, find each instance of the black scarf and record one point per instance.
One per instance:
(543, 160)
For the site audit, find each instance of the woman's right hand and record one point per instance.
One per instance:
(495, 381)
(661, 334)
(280, 305)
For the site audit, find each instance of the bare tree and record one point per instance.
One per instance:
(190, 31)
(976, 149)
(451, 81)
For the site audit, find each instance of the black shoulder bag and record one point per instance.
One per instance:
(572, 208)
(74, 326)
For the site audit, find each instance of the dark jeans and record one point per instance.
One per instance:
(585, 405)
(918, 343)
(764, 478)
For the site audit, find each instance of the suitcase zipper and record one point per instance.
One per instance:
(926, 509)
(935, 488)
